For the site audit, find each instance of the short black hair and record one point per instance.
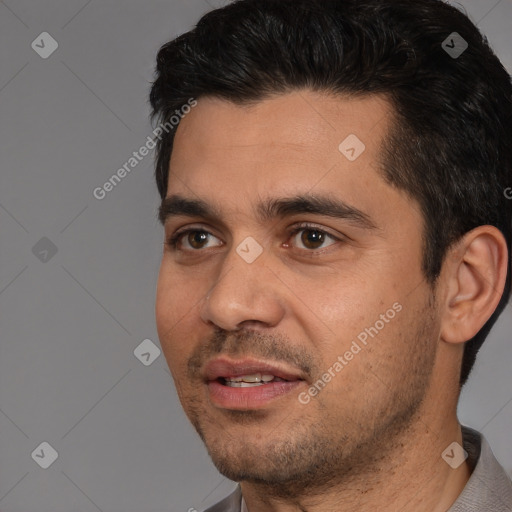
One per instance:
(450, 147)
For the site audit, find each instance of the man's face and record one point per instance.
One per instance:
(290, 291)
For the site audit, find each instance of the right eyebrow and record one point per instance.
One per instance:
(176, 205)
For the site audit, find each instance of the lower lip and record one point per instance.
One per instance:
(227, 397)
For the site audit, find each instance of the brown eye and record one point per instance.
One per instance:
(193, 240)
(196, 239)
(312, 238)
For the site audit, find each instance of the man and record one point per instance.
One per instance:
(337, 249)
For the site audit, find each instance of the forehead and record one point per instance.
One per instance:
(292, 121)
(294, 143)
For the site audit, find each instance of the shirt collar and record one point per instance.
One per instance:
(488, 487)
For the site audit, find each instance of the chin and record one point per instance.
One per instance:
(252, 464)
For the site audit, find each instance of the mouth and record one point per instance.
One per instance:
(249, 381)
(249, 384)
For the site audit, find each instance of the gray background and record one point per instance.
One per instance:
(70, 325)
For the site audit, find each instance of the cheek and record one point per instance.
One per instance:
(341, 301)
(176, 298)
(173, 308)
(165, 306)
(348, 312)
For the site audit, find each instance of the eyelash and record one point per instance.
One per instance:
(173, 241)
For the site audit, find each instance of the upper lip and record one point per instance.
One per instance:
(225, 367)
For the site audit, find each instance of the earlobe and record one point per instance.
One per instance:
(477, 271)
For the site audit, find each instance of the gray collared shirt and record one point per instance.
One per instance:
(489, 489)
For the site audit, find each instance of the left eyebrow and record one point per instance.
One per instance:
(269, 209)
(317, 205)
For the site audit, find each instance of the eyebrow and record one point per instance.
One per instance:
(176, 205)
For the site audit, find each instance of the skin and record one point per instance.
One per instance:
(372, 439)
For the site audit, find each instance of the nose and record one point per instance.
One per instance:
(245, 294)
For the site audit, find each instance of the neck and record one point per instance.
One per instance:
(410, 476)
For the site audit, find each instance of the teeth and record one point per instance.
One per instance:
(243, 384)
(252, 378)
(233, 379)
(245, 381)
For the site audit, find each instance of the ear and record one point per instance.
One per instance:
(475, 276)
